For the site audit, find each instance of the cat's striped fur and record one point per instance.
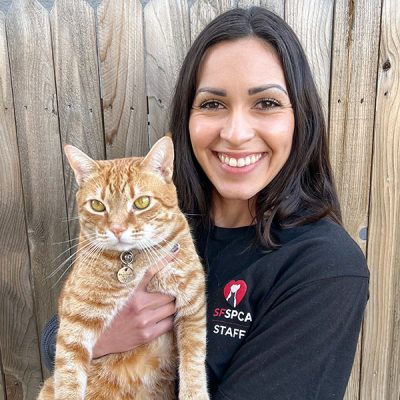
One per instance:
(92, 294)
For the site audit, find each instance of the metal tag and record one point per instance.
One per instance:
(125, 273)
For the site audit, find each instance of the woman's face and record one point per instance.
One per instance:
(241, 125)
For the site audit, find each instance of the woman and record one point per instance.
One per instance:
(287, 286)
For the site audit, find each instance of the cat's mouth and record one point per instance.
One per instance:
(123, 246)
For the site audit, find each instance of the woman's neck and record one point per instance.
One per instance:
(232, 213)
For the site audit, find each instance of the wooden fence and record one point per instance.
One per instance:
(100, 74)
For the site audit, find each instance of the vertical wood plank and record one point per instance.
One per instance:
(276, 6)
(380, 378)
(248, 3)
(73, 29)
(21, 370)
(352, 103)
(353, 87)
(167, 39)
(120, 32)
(204, 11)
(4, 6)
(39, 146)
(2, 384)
(312, 21)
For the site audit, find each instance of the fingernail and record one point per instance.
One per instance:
(175, 248)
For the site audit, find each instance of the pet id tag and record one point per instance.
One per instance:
(125, 273)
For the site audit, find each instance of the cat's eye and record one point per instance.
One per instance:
(142, 202)
(97, 205)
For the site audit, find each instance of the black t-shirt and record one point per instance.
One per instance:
(282, 325)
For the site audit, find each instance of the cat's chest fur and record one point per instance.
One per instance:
(136, 369)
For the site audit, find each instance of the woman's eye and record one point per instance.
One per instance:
(97, 205)
(142, 202)
(211, 105)
(267, 104)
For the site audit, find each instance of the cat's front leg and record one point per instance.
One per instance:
(191, 340)
(75, 341)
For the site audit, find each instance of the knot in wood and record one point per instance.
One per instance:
(386, 65)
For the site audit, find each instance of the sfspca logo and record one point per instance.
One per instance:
(234, 292)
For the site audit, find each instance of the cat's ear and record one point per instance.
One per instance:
(160, 158)
(82, 165)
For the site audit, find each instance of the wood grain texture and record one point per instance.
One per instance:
(277, 6)
(167, 39)
(121, 51)
(352, 102)
(4, 6)
(312, 21)
(73, 28)
(353, 93)
(380, 378)
(204, 11)
(20, 362)
(2, 380)
(35, 103)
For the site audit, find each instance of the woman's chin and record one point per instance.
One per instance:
(239, 194)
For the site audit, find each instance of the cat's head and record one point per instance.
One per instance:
(127, 203)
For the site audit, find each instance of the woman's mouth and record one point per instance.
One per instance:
(239, 162)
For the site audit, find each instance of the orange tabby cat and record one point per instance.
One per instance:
(128, 208)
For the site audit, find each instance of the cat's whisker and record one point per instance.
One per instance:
(158, 257)
(65, 241)
(67, 260)
(147, 256)
(69, 219)
(191, 215)
(70, 248)
(96, 249)
(154, 254)
(165, 252)
(74, 239)
(62, 275)
(149, 251)
(83, 256)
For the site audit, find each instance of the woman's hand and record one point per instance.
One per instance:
(145, 317)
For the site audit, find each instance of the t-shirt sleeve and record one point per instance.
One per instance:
(302, 347)
(48, 342)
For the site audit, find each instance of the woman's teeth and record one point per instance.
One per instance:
(239, 162)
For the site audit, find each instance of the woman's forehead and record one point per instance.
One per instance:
(249, 60)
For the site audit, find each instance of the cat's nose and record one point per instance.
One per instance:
(117, 230)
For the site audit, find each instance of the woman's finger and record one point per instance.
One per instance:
(162, 312)
(146, 300)
(159, 265)
(160, 328)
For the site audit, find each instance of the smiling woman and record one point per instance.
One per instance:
(248, 76)
(252, 170)
(241, 125)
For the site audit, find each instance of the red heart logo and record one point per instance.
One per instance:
(234, 292)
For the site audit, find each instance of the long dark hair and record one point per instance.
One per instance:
(303, 191)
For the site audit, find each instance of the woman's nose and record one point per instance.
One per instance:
(237, 128)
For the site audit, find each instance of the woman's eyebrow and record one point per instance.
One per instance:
(262, 88)
(216, 92)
